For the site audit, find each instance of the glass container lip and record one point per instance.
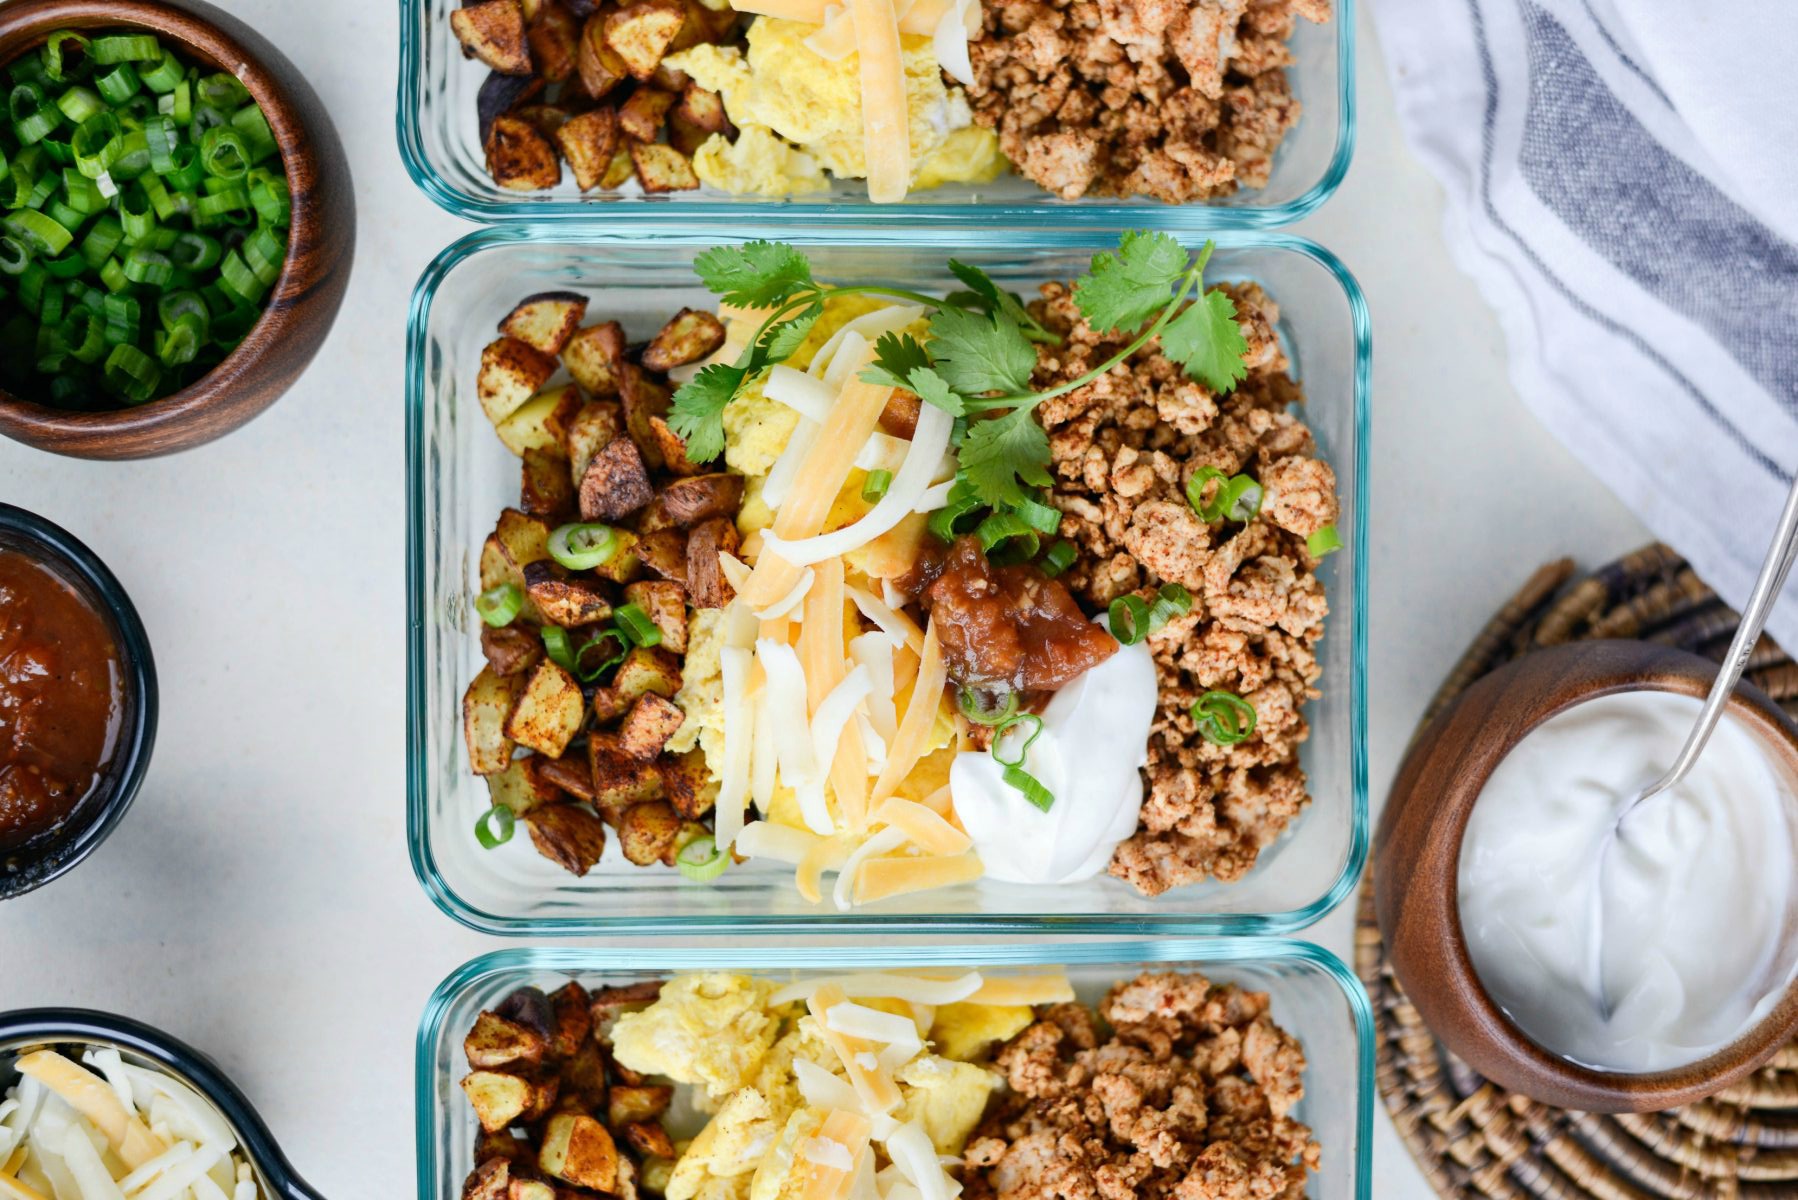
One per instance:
(626, 234)
(1209, 951)
(50, 542)
(38, 1026)
(780, 213)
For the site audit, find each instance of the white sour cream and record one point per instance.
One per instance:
(1684, 940)
(1094, 741)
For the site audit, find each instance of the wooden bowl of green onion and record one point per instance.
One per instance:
(177, 225)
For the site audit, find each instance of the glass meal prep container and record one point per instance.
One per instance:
(1315, 998)
(439, 136)
(461, 476)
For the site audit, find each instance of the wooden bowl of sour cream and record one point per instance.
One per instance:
(1418, 874)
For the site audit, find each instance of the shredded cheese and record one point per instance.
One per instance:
(826, 854)
(923, 827)
(868, 327)
(921, 18)
(806, 395)
(885, 108)
(94, 1099)
(878, 1092)
(920, 718)
(1013, 990)
(890, 620)
(850, 1132)
(12, 1189)
(784, 707)
(739, 738)
(884, 842)
(914, 989)
(792, 600)
(875, 652)
(781, 843)
(884, 878)
(820, 1088)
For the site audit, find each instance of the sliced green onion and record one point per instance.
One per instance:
(250, 122)
(1035, 724)
(230, 206)
(180, 344)
(152, 267)
(270, 197)
(181, 103)
(236, 277)
(495, 827)
(160, 136)
(221, 91)
(1195, 491)
(947, 523)
(701, 860)
(84, 334)
(557, 646)
(79, 103)
(225, 153)
(83, 193)
(973, 706)
(112, 275)
(125, 47)
(1025, 782)
(265, 251)
(38, 231)
(1324, 541)
(1224, 718)
(497, 606)
(98, 143)
(124, 318)
(1044, 518)
(166, 75)
(58, 65)
(1170, 602)
(136, 214)
(592, 672)
(636, 625)
(103, 237)
(132, 374)
(118, 85)
(875, 485)
(14, 257)
(582, 547)
(69, 218)
(1002, 528)
(1129, 619)
(1059, 558)
(1241, 498)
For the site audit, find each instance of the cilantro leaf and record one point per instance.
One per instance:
(997, 454)
(987, 294)
(698, 411)
(932, 390)
(896, 356)
(1206, 340)
(975, 353)
(755, 275)
(1127, 288)
(782, 341)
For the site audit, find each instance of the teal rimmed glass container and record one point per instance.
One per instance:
(460, 476)
(439, 140)
(1315, 998)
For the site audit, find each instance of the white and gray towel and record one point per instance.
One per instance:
(1622, 180)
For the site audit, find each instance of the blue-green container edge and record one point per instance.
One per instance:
(1192, 925)
(576, 960)
(1176, 218)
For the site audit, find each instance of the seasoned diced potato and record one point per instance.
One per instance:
(648, 1139)
(657, 1172)
(647, 727)
(690, 501)
(706, 584)
(495, 1042)
(573, 1019)
(502, 1145)
(595, 357)
(569, 836)
(616, 482)
(521, 788)
(665, 604)
(588, 143)
(546, 321)
(511, 372)
(663, 168)
(524, 539)
(623, 566)
(664, 552)
(690, 336)
(619, 779)
(530, 1189)
(538, 423)
(570, 773)
(486, 705)
(501, 94)
(685, 136)
(703, 109)
(641, 33)
(549, 711)
(546, 485)
(584, 1073)
(647, 832)
(554, 36)
(642, 115)
(528, 1006)
(494, 32)
(687, 784)
(671, 448)
(598, 64)
(643, 397)
(520, 158)
(578, 1149)
(597, 423)
(623, 168)
(644, 670)
(500, 1100)
(510, 649)
(544, 118)
(633, 1105)
(562, 600)
(491, 1180)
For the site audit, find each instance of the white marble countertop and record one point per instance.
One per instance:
(259, 902)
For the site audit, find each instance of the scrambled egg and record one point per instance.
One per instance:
(969, 1031)
(728, 1150)
(775, 1178)
(782, 91)
(948, 1098)
(709, 1030)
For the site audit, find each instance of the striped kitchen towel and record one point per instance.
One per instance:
(1622, 180)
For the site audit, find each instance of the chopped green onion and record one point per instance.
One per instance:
(558, 647)
(196, 251)
(14, 257)
(84, 194)
(973, 706)
(58, 66)
(1129, 619)
(1034, 722)
(34, 118)
(495, 827)
(1059, 558)
(265, 251)
(1195, 490)
(166, 75)
(152, 267)
(1224, 718)
(1025, 782)
(1002, 530)
(118, 85)
(270, 198)
(132, 374)
(126, 47)
(946, 523)
(583, 547)
(1324, 541)
(636, 625)
(39, 232)
(1241, 498)
(249, 122)
(701, 860)
(78, 104)
(588, 672)
(875, 485)
(1170, 602)
(1044, 518)
(498, 605)
(225, 154)
(221, 91)
(237, 278)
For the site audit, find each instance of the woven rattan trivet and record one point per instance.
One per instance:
(1475, 1140)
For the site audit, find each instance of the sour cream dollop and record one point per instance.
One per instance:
(1682, 941)
(1094, 742)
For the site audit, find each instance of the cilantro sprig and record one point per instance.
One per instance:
(980, 358)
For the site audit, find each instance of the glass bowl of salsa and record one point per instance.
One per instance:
(77, 701)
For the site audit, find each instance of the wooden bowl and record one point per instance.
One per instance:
(1417, 855)
(321, 238)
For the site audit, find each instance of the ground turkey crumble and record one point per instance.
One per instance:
(1180, 100)
(1123, 449)
(1186, 1097)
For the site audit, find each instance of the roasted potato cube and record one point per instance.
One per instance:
(687, 784)
(647, 727)
(496, 569)
(546, 321)
(521, 788)
(626, 1186)
(663, 168)
(519, 158)
(665, 553)
(642, 115)
(499, 95)
(546, 485)
(578, 1149)
(554, 37)
(595, 357)
(706, 584)
(621, 171)
(496, 1043)
(569, 836)
(528, 1006)
(568, 1005)
(523, 539)
(494, 32)
(588, 143)
(703, 109)
(596, 424)
(690, 501)
(619, 779)
(511, 649)
(644, 670)
(648, 1139)
(544, 118)
(584, 1074)
(665, 604)
(637, 1105)
(671, 448)
(598, 64)
(530, 1189)
(641, 33)
(684, 136)
(657, 1172)
(491, 1180)
(571, 773)
(567, 602)
(623, 566)
(647, 832)
(504, 1145)
(690, 336)
(643, 397)
(500, 1100)
(486, 705)
(616, 483)
(539, 422)
(610, 1003)
(511, 372)
(549, 711)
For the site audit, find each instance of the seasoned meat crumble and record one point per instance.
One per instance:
(1181, 100)
(1186, 1096)
(1123, 449)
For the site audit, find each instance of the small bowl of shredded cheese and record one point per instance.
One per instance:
(97, 1107)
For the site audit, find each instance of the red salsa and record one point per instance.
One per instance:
(61, 695)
